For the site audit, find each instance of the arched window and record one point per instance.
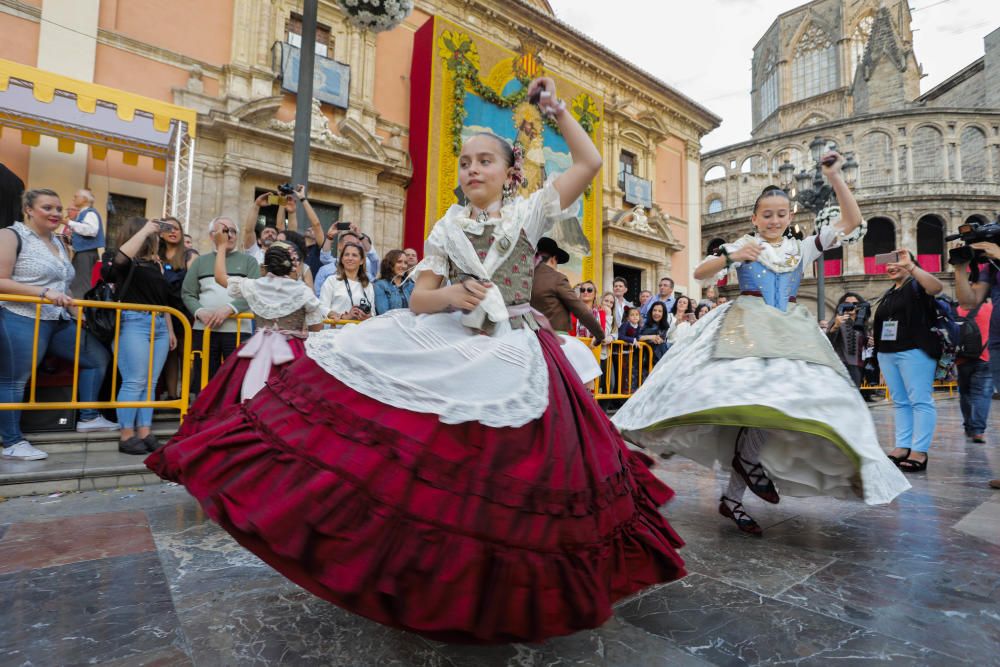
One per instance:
(833, 261)
(875, 154)
(977, 219)
(858, 42)
(769, 86)
(973, 155)
(930, 243)
(715, 173)
(880, 238)
(928, 154)
(814, 68)
(715, 205)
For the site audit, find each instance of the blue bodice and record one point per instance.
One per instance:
(776, 288)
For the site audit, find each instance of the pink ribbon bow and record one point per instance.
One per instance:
(267, 348)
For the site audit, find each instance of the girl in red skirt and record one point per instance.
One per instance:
(442, 469)
(284, 309)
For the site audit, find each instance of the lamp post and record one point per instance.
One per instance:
(303, 105)
(813, 192)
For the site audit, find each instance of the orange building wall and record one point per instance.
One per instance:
(20, 40)
(393, 58)
(199, 29)
(668, 192)
(120, 69)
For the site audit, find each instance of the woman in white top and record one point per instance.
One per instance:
(349, 295)
(34, 262)
(681, 319)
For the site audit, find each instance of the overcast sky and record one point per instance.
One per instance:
(703, 47)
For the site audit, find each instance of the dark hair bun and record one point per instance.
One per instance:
(278, 260)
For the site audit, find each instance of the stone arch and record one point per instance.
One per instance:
(814, 60)
(880, 238)
(714, 173)
(361, 138)
(875, 155)
(928, 153)
(973, 146)
(930, 242)
(813, 118)
(754, 164)
(793, 153)
(635, 137)
(977, 218)
(860, 31)
(714, 203)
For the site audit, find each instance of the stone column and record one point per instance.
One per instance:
(956, 169)
(367, 222)
(232, 179)
(906, 235)
(854, 259)
(608, 272)
(956, 220)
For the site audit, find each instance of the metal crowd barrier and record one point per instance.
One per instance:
(950, 385)
(180, 404)
(625, 369)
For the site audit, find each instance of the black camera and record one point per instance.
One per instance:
(862, 311)
(969, 233)
(286, 189)
(364, 306)
(845, 308)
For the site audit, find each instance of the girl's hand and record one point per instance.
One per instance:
(150, 228)
(300, 192)
(831, 162)
(220, 238)
(173, 341)
(466, 295)
(547, 102)
(748, 252)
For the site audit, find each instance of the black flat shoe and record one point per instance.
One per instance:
(742, 520)
(152, 444)
(913, 465)
(133, 445)
(756, 479)
(897, 459)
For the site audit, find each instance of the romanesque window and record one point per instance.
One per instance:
(626, 165)
(715, 205)
(875, 156)
(715, 173)
(858, 42)
(814, 68)
(973, 155)
(928, 154)
(293, 35)
(769, 88)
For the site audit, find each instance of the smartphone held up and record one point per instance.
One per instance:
(886, 258)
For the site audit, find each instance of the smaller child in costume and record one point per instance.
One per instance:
(285, 309)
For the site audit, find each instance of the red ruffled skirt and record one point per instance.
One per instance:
(223, 391)
(459, 532)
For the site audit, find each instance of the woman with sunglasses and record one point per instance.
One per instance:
(176, 258)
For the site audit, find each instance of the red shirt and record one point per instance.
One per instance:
(983, 322)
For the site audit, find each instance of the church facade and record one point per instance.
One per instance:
(846, 72)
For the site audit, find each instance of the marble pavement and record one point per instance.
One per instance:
(140, 577)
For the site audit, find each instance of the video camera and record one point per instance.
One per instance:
(969, 233)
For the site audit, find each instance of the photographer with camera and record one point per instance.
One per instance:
(349, 294)
(848, 333)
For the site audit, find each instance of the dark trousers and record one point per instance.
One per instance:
(83, 264)
(220, 346)
(975, 393)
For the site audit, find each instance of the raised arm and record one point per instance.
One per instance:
(221, 276)
(850, 213)
(249, 238)
(586, 158)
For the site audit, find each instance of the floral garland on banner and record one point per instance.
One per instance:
(376, 15)
(462, 60)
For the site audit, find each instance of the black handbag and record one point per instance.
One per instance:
(100, 322)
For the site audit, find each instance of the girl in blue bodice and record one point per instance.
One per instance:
(756, 387)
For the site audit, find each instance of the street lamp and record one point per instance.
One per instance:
(813, 192)
(850, 169)
(786, 172)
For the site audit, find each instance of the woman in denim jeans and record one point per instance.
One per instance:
(137, 271)
(42, 268)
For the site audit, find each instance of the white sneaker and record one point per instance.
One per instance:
(96, 424)
(23, 451)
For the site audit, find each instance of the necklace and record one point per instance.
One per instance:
(484, 214)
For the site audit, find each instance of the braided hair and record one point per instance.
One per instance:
(278, 259)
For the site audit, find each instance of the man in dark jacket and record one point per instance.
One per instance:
(552, 295)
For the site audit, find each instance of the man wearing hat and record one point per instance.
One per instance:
(553, 297)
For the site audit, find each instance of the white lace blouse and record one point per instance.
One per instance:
(273, 297)
(38, 267)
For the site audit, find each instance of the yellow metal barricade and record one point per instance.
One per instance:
(206, 340)
(624, 370)
(180, 404)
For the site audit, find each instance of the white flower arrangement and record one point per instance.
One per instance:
(377, 15)
(831, 215)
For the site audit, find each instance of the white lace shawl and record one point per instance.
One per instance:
(792, 252)
(273, 297)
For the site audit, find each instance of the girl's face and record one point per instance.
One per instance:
(608, 301)
(633, 316)
(683, 305)
(399, 268)
(482, 171)
(46, 212)
(702, 310)
(351, 258)
(772, 217)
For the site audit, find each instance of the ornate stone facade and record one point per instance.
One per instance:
(926, 164)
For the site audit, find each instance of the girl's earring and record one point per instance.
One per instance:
(508, 192)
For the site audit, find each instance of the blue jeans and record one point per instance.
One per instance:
(975, 394)
(910, 378)
(133, 362)
(58, 336)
